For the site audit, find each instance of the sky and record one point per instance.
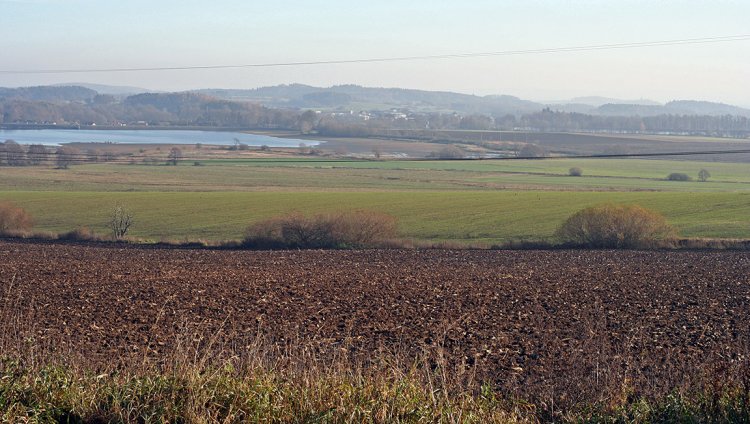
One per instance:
(95, 34)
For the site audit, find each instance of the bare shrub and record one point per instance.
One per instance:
(364, 228)
(532, 151)
(450, 152)
(79, 234)
(615, 226)
(14, 218)
(37, 154)
(704, 175)
(678, 176)
(357, 229)
(66, 156)
(575, 172)
(120, 221)
(13, 154)
(175, 154)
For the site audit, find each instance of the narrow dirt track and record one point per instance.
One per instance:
(551, 320)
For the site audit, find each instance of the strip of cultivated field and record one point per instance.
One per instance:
(536, 324)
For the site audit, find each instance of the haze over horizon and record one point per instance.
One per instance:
(76, 34)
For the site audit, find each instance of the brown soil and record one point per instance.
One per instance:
(572, 322)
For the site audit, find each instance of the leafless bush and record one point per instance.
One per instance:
(358, 229)
(12, 154)
(14, 218)
(121, 219)
(80, 234)
(175, 154)
(449, 152)
(678, 176)
(615, 226)
(532, 151)
(575, 172)
(66, 156)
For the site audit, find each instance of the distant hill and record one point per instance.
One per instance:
(706, 108)
(114, 90)
(248, 108)
(49, 94)
(612, 109)
(357, 97)
(599, 101)
(681, 107)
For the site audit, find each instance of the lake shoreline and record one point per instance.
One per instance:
(61, 135)
(22, 127)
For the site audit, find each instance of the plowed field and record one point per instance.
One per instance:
(571, 321)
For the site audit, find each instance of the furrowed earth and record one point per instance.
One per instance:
(529, 322)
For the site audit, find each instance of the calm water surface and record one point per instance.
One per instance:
(54, 137)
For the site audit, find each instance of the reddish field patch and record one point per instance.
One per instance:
(572, 322)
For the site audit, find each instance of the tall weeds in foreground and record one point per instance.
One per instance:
(196, 383)
(258, 385)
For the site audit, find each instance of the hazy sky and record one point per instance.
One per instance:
(54, 34)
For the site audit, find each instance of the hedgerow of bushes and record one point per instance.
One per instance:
(356, 229)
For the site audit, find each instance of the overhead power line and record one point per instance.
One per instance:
(592, 47)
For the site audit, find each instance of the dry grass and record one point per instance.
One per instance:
(268, 385)
(201, 382)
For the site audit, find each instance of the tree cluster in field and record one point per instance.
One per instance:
(703, 176)
(14, 154)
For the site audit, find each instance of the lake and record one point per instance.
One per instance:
(53, 137)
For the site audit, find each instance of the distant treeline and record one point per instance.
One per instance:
(183, 109)
(543, 121)
(81, 106)
(546, 120)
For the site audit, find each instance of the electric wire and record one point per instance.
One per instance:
(580, 48)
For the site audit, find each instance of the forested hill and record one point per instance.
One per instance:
(48, 93)
(183, 109)
(354, 97)
(368, 98)
(367, 111)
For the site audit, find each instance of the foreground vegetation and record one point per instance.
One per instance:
(237, 391)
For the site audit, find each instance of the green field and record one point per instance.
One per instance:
(322, 174)
(483, 217)
(465, 201)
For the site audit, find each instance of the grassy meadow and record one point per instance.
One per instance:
(463, 216)
(482, 202)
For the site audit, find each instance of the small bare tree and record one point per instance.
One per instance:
(575, 171)
(704, 175)
(120, 221)
(66, 156)
(174, 155)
